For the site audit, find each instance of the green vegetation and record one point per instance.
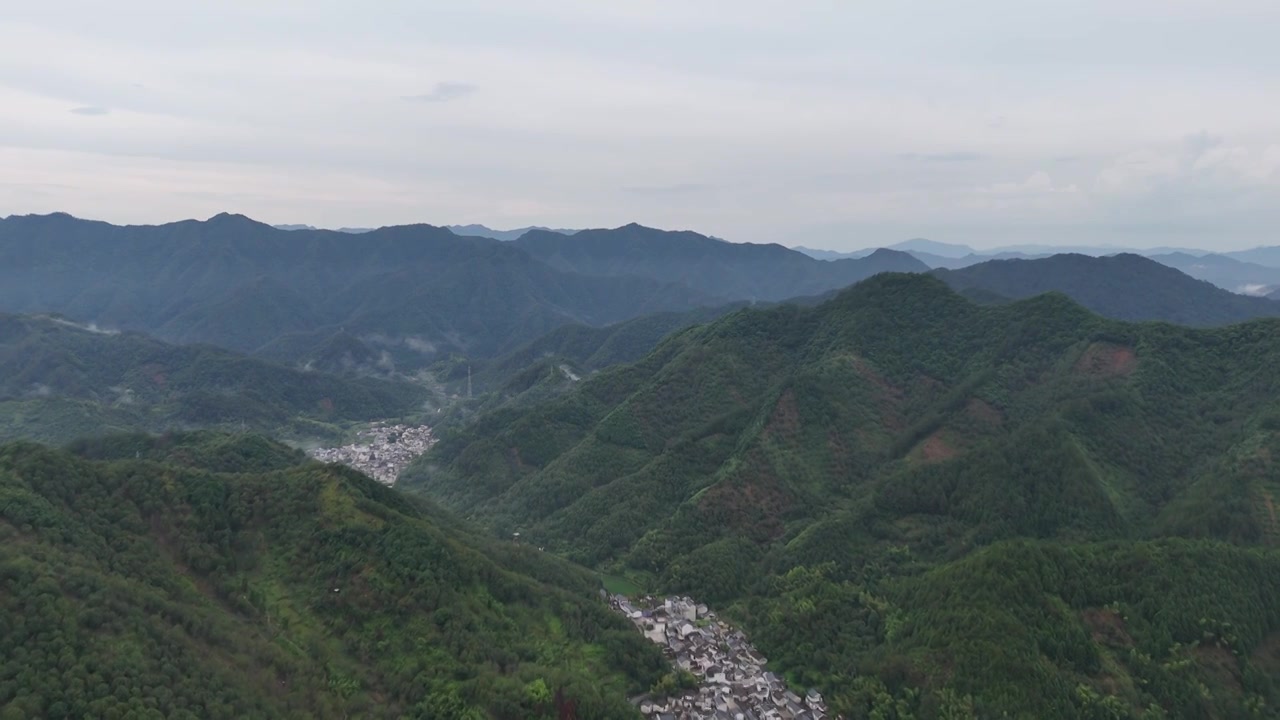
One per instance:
(927, 507)
(60, 381)
(264, 586)
(618, 585)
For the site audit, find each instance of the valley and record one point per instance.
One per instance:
(640, 361)
(959, 494)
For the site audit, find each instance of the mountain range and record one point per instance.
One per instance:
(1249, 272)
(928, 482)
(407, 295)
(1022, 508)
(732, 271)
(1124, 287)
(413, 291)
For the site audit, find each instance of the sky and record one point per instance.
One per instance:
(829, 124)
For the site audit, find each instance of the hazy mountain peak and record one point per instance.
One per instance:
(932, 246)
(476, 230)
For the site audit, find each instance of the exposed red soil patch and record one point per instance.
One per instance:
(935, 448)
(930, 382)
(839, 454)
(514, 461)
(785, 420)
(888, 397)
(156, 373)
(1266, 656)
(983, 412)
(752, 503)
(1107, 627)
(1106, 360)
(1221, 664)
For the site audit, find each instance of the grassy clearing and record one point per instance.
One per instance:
(619, 585)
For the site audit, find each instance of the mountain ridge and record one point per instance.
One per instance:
(410, 284)
(1124, 287)
(739, 271)
(821, 458)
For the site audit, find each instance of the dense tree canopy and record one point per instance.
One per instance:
(271, 587)
(889, 488)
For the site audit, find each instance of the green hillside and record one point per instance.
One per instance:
(838, 477)
(59, 381)
(158, 588)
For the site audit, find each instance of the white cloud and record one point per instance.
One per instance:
(886, 121)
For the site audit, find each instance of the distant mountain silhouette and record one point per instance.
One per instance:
(1269, 256)
(353, 230)
(1125, 287)
(934, 248)
(482, 231)
(832, 254)
(415, 291)
(733, 271)
(1224, 271)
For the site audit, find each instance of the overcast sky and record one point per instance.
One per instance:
(830, 124)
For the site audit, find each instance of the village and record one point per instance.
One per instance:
(386, 451)
(733, 682)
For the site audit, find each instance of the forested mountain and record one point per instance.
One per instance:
(927, 507)
(1225, 272)
(1124, 287)
(411, 291)
(59, 380)
(733, 271)
(159, 588)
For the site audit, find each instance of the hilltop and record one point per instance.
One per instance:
(60, 380)
(839, 472)
(159, 587)
(1124, 287)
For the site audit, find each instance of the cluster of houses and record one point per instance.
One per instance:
(733, 684)
(384, 450)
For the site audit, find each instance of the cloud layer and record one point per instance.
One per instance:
(843, 125)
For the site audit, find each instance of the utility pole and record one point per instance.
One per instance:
(468, 381)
